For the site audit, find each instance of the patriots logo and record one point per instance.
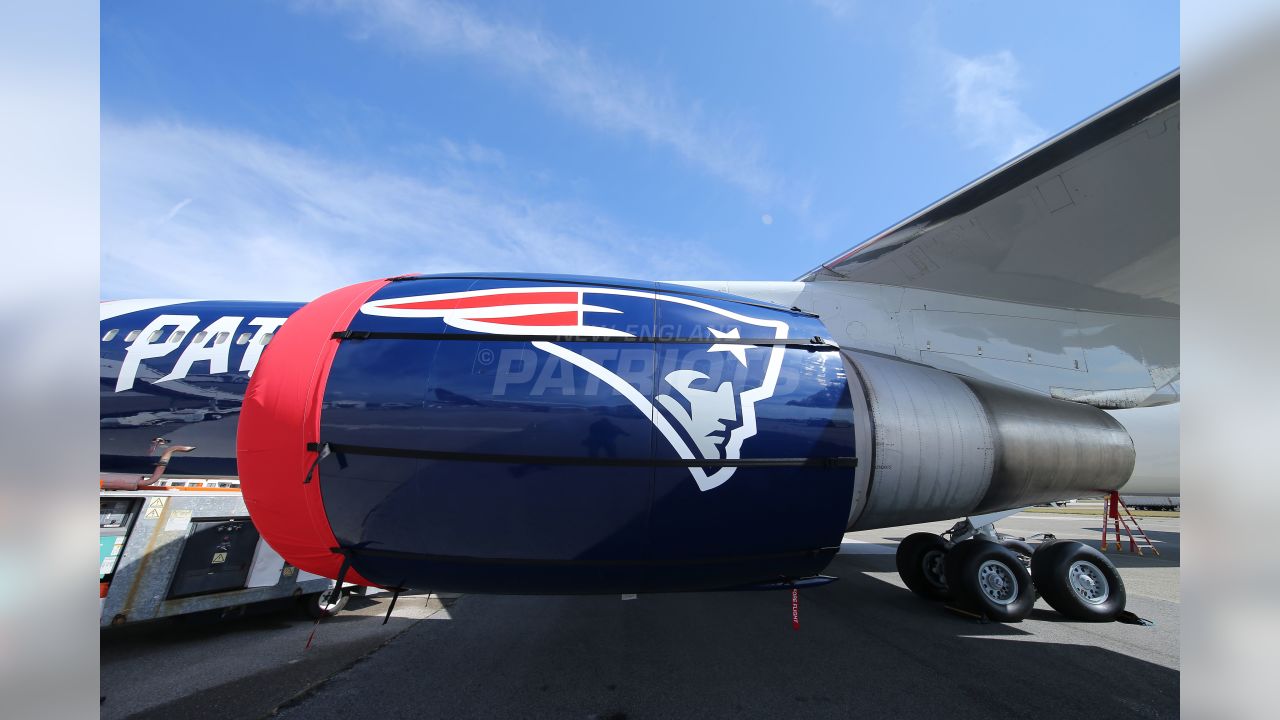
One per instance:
(704, 402)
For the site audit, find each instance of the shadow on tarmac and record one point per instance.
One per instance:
(866, 648)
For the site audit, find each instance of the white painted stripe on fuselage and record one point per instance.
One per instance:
(116, 308)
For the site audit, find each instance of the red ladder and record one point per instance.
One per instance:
(1111, 507)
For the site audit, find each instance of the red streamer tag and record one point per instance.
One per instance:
(795, 608)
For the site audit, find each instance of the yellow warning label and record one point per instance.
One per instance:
(152, 514)
(178, 521)
(157, 503)
(220, 557)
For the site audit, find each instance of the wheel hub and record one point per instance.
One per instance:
(997, 582)
(934, 564)
(1088, 582)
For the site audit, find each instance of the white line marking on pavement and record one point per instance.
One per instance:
(861, 547)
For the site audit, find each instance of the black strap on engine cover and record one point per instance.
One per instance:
(815, 344)
(838, 461)
(322, 452)
(395, 594)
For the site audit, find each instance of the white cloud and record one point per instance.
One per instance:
(196, 212)
(578, 83)
(983, 93)
(838, 9)
(175, 210)
(473, 152)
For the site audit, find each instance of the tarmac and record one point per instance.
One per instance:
(866, 648)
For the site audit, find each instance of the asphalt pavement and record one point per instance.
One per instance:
(866, 647)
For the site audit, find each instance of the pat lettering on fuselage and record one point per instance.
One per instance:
(210, 343)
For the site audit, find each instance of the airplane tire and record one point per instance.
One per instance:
(1042, 547)
(1025, 552)
(921, 559)
(989, 579)
(1019, 546)
(1078, 581)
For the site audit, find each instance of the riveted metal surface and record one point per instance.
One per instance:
(933, 450)
(1050, 449)
(947, 446)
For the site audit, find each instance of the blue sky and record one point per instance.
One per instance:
(277, 150)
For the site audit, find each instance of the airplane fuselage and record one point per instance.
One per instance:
(177, 372)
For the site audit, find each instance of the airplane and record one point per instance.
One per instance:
(1013, 344)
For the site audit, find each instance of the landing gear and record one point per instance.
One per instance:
(1019, 546)
(989, 579)
(922, 564)
(1078, 581)
(1000, 576)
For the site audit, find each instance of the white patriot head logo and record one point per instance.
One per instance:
(702, 417)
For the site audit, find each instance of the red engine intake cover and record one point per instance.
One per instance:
(280, 416)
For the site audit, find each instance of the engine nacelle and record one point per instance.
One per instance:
(581, 435)
(937, 446)
(554, 435)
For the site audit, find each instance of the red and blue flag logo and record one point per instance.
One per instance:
(702, 399)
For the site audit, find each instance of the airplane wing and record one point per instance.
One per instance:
(1056, 273)
(1087, 221)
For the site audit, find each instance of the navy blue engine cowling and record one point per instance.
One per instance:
(545, 434)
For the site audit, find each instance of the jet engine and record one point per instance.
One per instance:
(584, 435)
(935, 446)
